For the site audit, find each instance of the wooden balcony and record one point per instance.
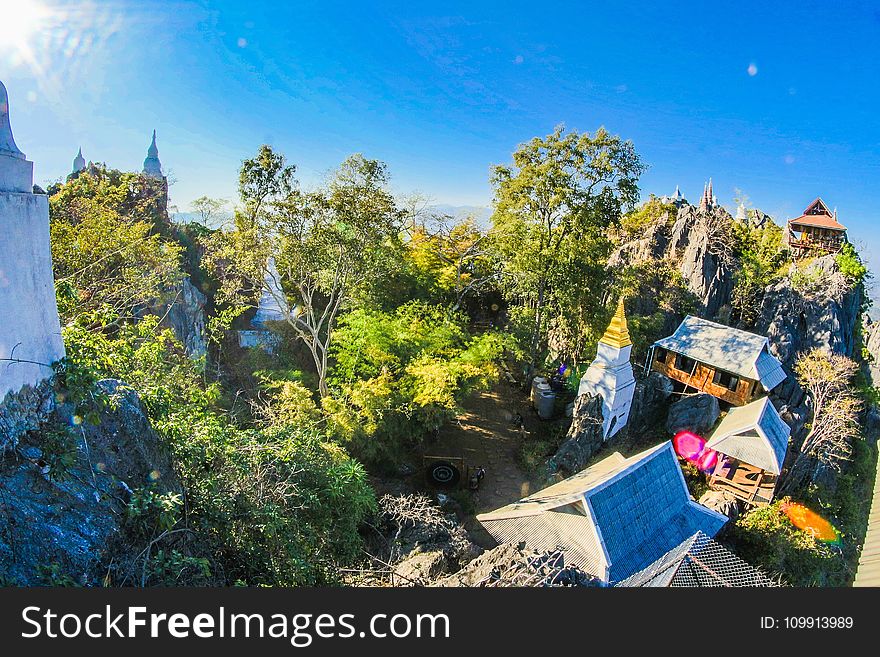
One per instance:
(701, 379)
(813, 244)
(746, 482)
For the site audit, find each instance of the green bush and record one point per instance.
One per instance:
(766, 538)
(850, 263)
(273, 506)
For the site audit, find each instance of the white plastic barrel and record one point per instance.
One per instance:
(546, 402)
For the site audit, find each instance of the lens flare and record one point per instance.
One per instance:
(811, 522)
(692, 448)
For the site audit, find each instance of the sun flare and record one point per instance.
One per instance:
(21, 20)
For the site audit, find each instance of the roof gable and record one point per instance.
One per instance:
(754, 434)
(817, 207)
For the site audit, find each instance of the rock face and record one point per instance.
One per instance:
(697, 413)
(705, 270)
(585, 436)
(813, 308)
(72, 521)
(24, 411)
(185, 315)
(722, 502)
(649, 401)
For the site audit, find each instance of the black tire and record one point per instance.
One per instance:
(443, 473)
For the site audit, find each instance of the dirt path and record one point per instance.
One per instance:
(485, 434)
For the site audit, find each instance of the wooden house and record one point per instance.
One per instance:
(730, 364)
(815, 232)
(751, 442)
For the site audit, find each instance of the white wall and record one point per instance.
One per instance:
(28, 312)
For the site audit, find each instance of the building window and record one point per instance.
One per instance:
(660, 355)
(684, 363)
(726, 379)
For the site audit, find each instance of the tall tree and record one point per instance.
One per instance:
(329, 245)
(835, 408)
(553, 205)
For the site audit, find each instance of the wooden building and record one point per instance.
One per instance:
(733, 365)
(751, 443)
(815, 232)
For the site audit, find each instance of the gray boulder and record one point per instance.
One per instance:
(697, 413)
(585, 436)
(722, 502)
(70, 524)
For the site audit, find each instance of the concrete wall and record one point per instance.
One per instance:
(29, 325)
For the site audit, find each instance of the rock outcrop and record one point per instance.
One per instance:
(814, 307)
(185, 315)
(24, 411)
(692, 244)
(585, 436)
(697, 413)
(69, 519)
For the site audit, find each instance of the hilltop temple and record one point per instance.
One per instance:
(816, 232)
(611, 374)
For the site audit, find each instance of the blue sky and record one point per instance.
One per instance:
(778, 100)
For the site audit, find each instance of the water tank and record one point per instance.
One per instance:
(537, 381)
(546, 403)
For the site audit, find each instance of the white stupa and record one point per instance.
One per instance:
(30, 331)
(611, 374)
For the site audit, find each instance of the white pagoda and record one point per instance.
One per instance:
(611, 374)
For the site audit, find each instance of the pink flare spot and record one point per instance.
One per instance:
(688, 445)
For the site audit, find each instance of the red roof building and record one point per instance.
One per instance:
(815, 232)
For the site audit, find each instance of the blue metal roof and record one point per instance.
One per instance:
(648, 512)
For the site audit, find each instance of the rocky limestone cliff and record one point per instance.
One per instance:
(691, 245)
(72, 522)
(813, 307)
(185, 315)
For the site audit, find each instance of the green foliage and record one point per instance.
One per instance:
(553, 207)
(765, 537)
(763, 258)
(400, 375)
(635, 222)
(660, 290)
(850, 264)
(172, 568)
(695, 480)
(107, 246)
(278, 506)
(59, 450)
(150, 512)
(54, 574)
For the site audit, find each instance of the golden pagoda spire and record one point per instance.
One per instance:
(617, 333)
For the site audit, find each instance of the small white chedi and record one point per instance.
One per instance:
(30, 332)
(611, 374)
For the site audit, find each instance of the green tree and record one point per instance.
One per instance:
(102, 257)
(330, 246)
(553, 206)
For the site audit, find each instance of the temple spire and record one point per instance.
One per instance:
(7, 143)
(617, 333)
(79, 162)
(152, 165)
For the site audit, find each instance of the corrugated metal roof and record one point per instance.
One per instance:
(868, 573)
(561, 493)
(620, 514)
(574, 535)
(696, 562)
(754, 434)
(770, 371)
(725, 348)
